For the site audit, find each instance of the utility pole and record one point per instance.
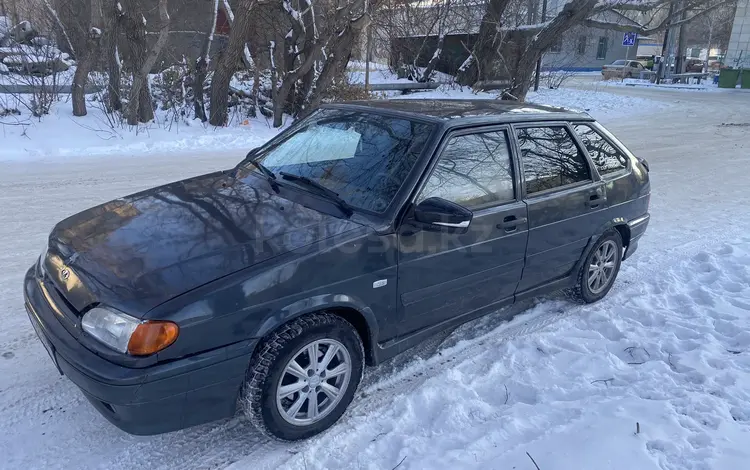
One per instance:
(539, 61)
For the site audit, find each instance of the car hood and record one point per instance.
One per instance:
(139, 251)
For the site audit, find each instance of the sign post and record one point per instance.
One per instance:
(628, 40)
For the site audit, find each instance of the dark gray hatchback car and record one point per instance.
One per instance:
(352, 236)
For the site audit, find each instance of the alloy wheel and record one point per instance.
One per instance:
(313, 382)
(602, 267)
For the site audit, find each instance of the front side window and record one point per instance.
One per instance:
(551, 159)
(606, 158)
(364, 157)
(474, 171)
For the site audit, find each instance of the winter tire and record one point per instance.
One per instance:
(303, 377)
(599, 269)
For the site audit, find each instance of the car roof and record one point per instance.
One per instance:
(458, 112)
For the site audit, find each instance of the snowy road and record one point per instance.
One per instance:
(669, 348)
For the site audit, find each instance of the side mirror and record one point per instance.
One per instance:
(441, 213)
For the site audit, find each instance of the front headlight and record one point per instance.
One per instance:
(126, 334)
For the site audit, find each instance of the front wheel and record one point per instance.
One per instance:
(600, 269)
(304, 376)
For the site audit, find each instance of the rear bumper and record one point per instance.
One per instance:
(152, 400)
(637, 228)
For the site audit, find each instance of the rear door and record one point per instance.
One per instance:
(445, 273)
(566, 201)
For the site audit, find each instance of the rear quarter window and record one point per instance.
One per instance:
(607, 159)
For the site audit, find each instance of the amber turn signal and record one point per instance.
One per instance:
(152, 336)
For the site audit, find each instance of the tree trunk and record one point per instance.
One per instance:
(139, 98)
(114, 67)
(247, 59)
(256, 90)
(334, 67)
(201, 68)
(434, 60)
(485, 50)
(227, 63)
(87, 59)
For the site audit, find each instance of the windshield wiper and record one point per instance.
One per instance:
(334, 196)
(270, 176)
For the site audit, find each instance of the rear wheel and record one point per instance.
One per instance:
(304, 376)
(599, 269)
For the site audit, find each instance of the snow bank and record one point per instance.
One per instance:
(597, 103)
(61, 135)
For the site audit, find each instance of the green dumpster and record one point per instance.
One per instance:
(745, 79)
(728, 78)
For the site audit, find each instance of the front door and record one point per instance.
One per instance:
(444, 272)
(566, 202)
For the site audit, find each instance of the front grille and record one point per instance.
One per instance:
(67, 304)
(67, 317)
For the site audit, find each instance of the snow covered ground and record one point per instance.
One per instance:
(668, 349)
(61, 135)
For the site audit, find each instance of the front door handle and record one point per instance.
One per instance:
(511, 223)
(595, 201)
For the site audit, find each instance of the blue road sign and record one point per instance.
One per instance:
(628, 39)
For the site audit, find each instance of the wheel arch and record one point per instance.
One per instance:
(621, 226)
(349, 308)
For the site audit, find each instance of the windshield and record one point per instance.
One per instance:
(619, 62)
(363, 157)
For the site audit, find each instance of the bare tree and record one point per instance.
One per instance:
(112, 10)
(86, 59)
(201, 66)
(512, 50)
(139, 107)
(228, 60)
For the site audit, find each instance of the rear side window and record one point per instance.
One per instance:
(473, 171)
(551, 159)
(606, 157)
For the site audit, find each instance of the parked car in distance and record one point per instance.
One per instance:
(622, 69)
(350, 237)
(694, 66)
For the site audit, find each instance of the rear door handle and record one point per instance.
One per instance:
(511, 223)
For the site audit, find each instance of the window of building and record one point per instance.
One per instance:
(551, 159)
(556, 46)
(222, 23)
(606, 158)
(601, 50)
(473, 171)
(581, 49)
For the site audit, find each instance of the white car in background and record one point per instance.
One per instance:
(622, 69)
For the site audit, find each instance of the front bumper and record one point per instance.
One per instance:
(151, 400)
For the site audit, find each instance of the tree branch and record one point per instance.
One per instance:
(660, 27)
